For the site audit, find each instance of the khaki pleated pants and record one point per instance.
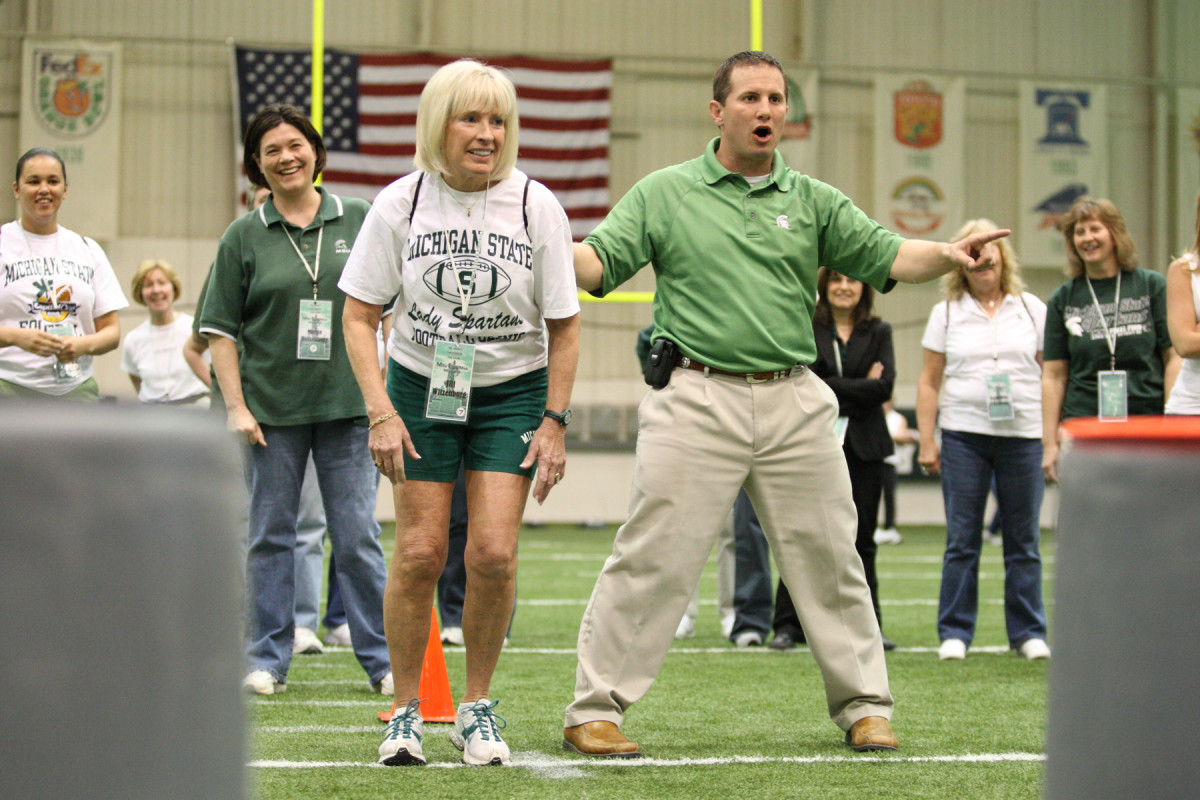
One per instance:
(699, 440)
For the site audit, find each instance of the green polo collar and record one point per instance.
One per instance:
(331, 209)
(712, 170)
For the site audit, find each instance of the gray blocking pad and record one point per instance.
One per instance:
(1124, 681)
(120, 584)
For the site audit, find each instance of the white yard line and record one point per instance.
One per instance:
(574, 767)
(930, 601)
(690, 651)
(318, 729)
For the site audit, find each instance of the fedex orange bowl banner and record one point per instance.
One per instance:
(71, 103)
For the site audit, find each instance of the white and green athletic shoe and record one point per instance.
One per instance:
(401, 745)
(476, 733)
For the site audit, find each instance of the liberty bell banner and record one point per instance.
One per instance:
(1187, 169)
(919, 154)
(1064, 154)
(71, 103)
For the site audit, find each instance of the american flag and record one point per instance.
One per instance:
(371, 110)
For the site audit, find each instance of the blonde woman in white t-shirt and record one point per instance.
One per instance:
(483, 350)
(153, 351)
(1183, 323)
(59, 297)
(980, 384)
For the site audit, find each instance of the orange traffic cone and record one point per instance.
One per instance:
(437, 704)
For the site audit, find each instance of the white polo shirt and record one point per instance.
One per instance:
(1185, 397)
(977, 346)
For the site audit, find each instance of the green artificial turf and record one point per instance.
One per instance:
(719, 723)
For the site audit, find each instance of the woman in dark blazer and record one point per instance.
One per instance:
(855, 357)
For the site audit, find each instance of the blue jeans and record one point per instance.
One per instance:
(310, 550)
(347, 480)
(752, 601)
(969, 463)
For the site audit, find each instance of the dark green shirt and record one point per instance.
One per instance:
(736, 266)
(254, 294)
(1074, 332)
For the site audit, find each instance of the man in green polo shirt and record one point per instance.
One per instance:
(736, 238)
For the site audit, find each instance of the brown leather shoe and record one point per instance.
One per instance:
(601, 738)
(871, 733)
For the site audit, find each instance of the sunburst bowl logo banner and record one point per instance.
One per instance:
(919, 123)
(71, 103)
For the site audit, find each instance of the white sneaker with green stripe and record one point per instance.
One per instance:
(401, 745)
(477, 733)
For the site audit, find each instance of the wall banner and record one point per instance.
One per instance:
(1187, 168)
(71, 103)
(801, 128)
(919, 122)
(1064, 154)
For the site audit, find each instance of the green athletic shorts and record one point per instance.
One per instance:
(501, 421)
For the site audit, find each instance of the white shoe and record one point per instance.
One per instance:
(385, 686)
(453, 635)
(306, 643)
(992, 538)
(1034, 649)
(339, 636)
(888, 536)
(476, 732)
(686, 629)
(748, 639)
(727, 625)
(952, 650)
(262, 682)
(401, 745)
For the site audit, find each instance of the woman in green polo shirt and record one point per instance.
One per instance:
(1107, 350)
(273, 317)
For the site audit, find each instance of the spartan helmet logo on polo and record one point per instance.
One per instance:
(483, 279)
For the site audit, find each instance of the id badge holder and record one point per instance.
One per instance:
(839, 429)
(1112, 387)
(450, 382)
(70, 370)
(999, 397)
(314, 338)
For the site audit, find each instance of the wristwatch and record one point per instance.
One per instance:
(563, 418)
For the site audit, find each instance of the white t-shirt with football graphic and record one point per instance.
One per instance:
(50, 282)
(518, 280)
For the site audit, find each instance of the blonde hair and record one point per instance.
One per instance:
(465, 85)
(954, 283)
(143, 271)
(1196, 244)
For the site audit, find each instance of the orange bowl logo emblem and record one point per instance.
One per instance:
(70, 99)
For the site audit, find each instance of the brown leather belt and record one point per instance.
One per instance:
(748, 377)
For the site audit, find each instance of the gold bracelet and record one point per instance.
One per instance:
(383, 418)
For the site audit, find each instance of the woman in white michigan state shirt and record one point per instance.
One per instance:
(59, 297)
